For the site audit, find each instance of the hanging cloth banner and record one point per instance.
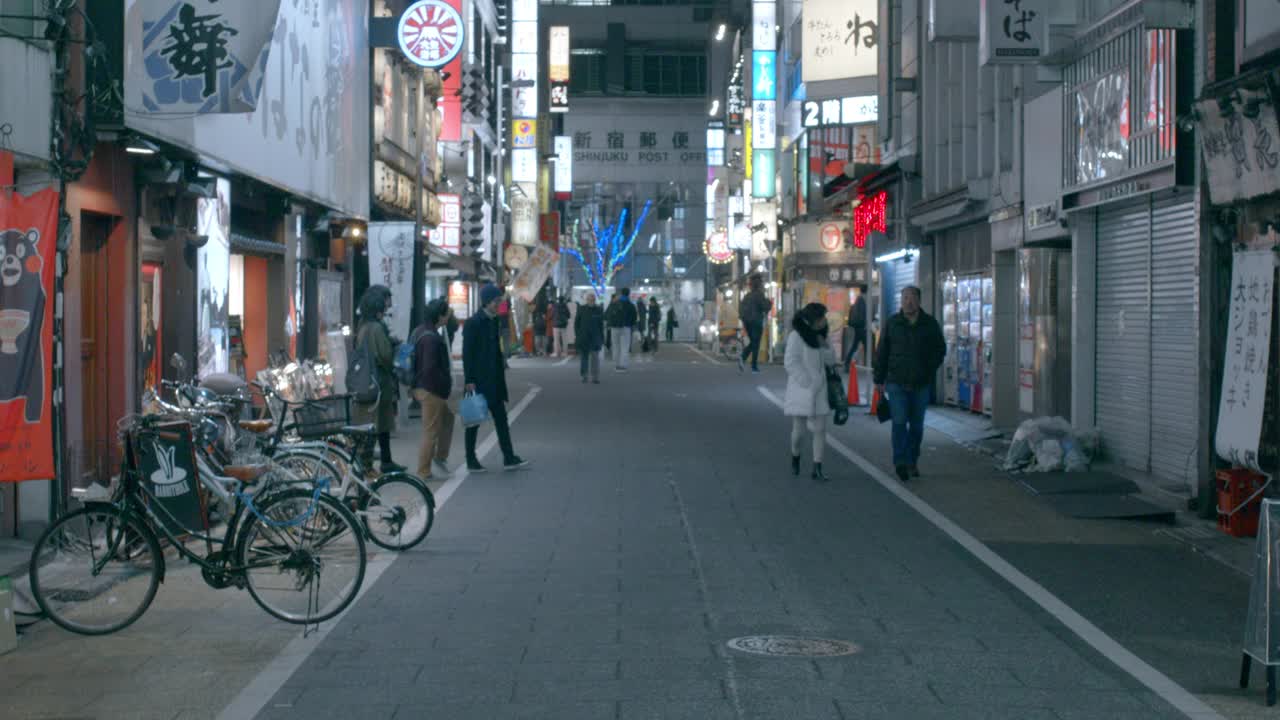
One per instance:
(28, 229)
(391, 263)
(535, 272)
(1244, 381)
(200, 57)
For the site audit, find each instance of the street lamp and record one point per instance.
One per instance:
(720, 32)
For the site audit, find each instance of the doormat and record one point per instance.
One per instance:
(1104, 507)
(1071, 483)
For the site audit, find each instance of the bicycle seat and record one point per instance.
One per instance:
(247, 474)
(368, 429)
(256, 426)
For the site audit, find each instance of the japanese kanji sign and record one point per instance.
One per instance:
(431, 33)
(200, 56)
(841, 39)
(1244, 381)
(1241, 154)
(1012, 31)
(391, 249)
(448, 234)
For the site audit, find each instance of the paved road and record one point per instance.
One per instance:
(660, 521)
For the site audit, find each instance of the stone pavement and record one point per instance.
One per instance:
(660, 521)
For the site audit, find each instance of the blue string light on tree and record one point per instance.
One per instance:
(607, 249)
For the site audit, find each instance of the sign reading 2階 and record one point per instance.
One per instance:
(431, 33)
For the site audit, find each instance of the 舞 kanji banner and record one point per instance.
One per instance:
(28, 228)
(197, 57)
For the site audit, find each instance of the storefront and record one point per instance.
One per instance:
(1133, 214)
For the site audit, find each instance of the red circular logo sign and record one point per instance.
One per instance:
(431, 33)
(718, 250)
(830, 237)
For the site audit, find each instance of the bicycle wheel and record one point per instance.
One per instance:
(96, 570)
(399, 512)
(303, 557)
(309, 466)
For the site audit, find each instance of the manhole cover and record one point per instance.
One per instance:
(791, 646)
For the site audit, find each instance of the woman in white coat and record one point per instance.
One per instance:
(808, 356)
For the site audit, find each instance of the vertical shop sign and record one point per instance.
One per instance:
(535, 272)
(1244, 382)
(563, 179)
(28, 230)
(1012, 31)
(524, 215)
(391, 250)
(167, 462)
(764, 21)
(559, 69)
(151, 362)
(213, 279)
(448, 234)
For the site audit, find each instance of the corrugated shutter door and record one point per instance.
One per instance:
(1175, 422)
(1123, 370)
(894, 276)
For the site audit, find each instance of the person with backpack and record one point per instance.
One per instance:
(753, 311)
(375, 394)
(432, 385)
(562, 315)
(621, 317)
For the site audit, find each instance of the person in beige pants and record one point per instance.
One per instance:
(432, 387)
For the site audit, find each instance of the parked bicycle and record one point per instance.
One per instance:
(299, 552)
(730, 343)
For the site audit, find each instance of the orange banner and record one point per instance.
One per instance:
(28, 234)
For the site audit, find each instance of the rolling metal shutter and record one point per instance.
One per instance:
(1175, 421)
(1122, 385)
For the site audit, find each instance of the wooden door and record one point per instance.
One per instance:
(95, 347)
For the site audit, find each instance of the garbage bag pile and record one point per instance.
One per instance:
(1050, 444)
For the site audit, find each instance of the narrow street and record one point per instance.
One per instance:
(658, 523)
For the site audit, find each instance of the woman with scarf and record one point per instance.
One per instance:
(807, 358)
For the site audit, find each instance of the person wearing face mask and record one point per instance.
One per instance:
(806, 361)
(910, 352)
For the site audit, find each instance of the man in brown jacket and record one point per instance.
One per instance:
(432, 386)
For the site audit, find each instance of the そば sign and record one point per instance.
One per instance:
(431, 33)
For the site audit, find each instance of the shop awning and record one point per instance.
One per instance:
(845, 189)
(244, 244)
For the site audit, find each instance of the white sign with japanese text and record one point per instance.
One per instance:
(558, 69)
(391, 264)
(524, 86)
(1012, 31)
(1244, 381)
(764, 123)
(563, 180)
(524, 165)
(764, 22)
(841, 39)
(448, 235)
(524, 38)
(1241, 154)
(524, 214)
(198, 56)
(763, 212)
(524, 10)
(841, 111)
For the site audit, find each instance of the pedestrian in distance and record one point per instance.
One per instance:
(588, 327)
(539, 321)
(432, 388)
(655, 320)
(910, 352)
(562, 315)
(857, 325)
(808, 355)
(672, 324)
(642, 315)
(608, 332)
(621, 316)
(752, 312)
(372, 333)
(484, 371)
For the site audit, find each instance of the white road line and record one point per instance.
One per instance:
(565, 361)
(1159, 683)
(255, 696)
(708, 357)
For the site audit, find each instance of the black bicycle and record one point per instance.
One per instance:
(299, 552)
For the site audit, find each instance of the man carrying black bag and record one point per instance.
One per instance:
(910, 352)
(484, 371)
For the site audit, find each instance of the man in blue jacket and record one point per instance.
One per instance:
(485, 371)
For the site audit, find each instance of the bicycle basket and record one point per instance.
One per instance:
(322, 417)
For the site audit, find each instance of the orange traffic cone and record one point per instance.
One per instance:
(875, 402)
(855, 396)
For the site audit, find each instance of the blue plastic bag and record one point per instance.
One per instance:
(474, 410)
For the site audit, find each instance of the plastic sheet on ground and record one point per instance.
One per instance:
(1050, 444)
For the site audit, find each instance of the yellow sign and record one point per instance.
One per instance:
(746, 153)
(524, 133)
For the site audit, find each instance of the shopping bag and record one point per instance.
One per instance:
(884, 413)
(474, 410)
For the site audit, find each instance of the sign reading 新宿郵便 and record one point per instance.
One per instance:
(643, 147)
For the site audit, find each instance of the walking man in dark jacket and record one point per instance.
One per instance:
(857, 324)
(621, 316)
(655, 320)
(588, 329)
(432, 386)
(754, 309)
(562, 314)
(911, 350)
(485, 372)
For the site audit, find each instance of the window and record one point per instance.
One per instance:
(672, 74)
(21, 28)
(586, 74)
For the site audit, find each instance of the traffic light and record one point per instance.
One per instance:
(474, 219)
(475, 92)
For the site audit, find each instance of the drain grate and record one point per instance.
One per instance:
(791, 646)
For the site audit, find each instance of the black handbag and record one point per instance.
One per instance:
(836, 397)
(884, 413)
